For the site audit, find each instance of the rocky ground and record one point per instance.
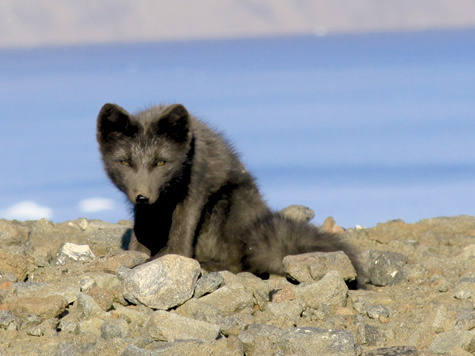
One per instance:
(69, 289)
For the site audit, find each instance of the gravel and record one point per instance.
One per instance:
(70, 289)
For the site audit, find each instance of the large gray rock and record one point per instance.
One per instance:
(313, 266)
(166, 326)
(162, 283)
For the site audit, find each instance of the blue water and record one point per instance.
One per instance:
(364, 128)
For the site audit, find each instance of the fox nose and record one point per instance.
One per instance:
(142, 199)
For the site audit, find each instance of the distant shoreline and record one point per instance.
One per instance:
(59, 23)
(233, 39)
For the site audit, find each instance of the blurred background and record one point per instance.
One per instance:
(364, 111)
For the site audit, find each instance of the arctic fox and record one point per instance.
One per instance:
(193, 197)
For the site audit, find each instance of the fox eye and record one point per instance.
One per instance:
(125, 162)
(160, 163)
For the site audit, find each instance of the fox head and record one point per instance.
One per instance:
(144, 153)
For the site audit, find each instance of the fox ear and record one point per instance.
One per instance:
(113, 122)
(174, 123)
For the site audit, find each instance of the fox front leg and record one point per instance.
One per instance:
(135, 245)
(183, 229)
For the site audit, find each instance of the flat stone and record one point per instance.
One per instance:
(228, 301)
(166, 326)
(68, 288)
(44, 307)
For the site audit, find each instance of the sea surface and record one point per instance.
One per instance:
(365, 128)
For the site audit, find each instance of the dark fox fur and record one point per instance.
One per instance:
(192, 195)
